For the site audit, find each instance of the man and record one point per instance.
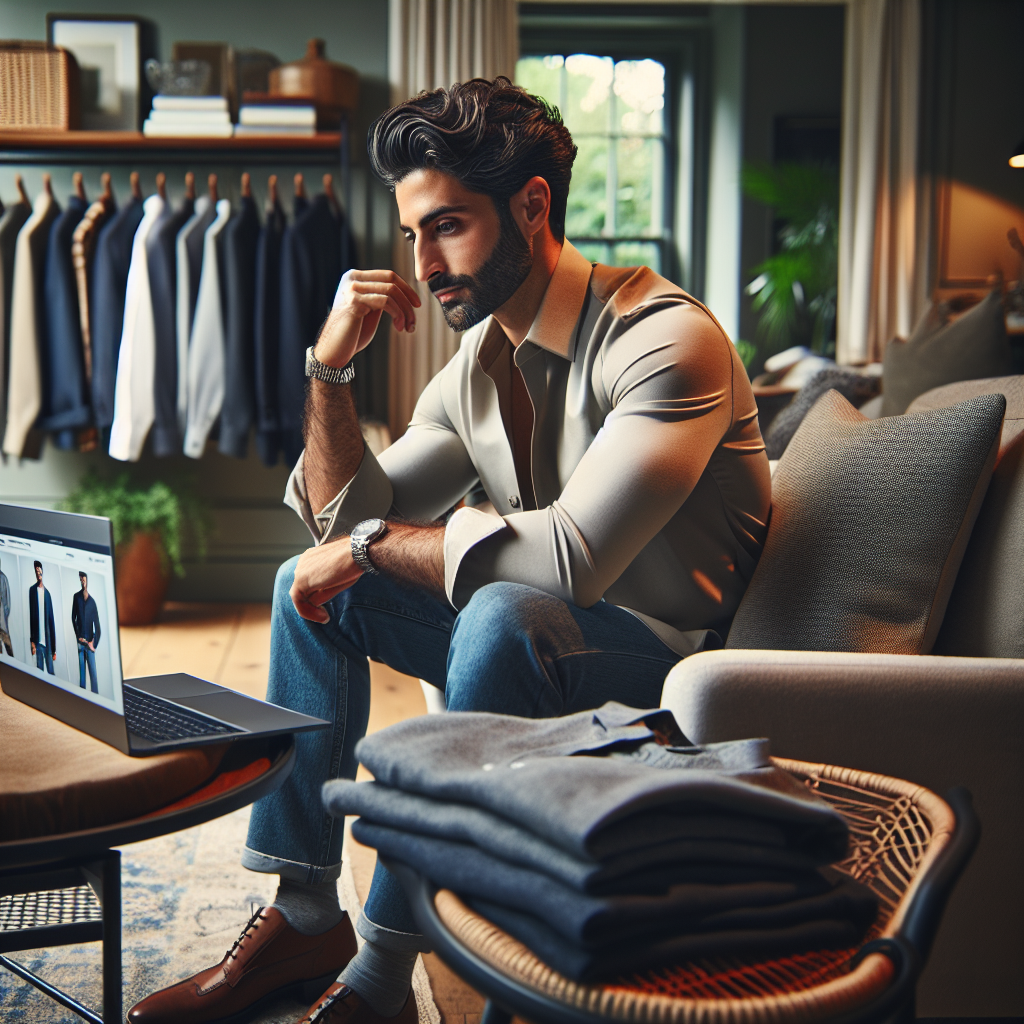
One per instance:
(5, 615)
(85, 618)
(608, 420)
(42, 631)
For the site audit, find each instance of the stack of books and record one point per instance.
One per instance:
(262, 114)
(189, 115)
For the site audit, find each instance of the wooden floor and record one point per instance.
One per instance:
(230, 644)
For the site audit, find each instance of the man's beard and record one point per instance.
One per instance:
(492, 285)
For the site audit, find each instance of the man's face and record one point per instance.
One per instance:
(84, 580)
(39, 574)
(472, 259)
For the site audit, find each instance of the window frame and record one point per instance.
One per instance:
(679, 38)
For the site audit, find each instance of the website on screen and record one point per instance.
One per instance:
(57, 615)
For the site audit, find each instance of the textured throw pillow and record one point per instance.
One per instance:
(870, 519)
(973, 346)
(855, 387)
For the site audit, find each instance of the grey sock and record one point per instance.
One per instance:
(309, 909)
(381, 977)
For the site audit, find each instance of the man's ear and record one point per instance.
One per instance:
(531, 206)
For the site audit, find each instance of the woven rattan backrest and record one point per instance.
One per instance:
(897, 829)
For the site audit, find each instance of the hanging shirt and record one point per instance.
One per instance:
(240, 240)
(83, 256)
(189, 256)
(310, 271)
(161, 255)
(106, 301)
(25, 383)
(136, 364)
(267, 333)
(206, 349)
(65, 407)
(11, 223)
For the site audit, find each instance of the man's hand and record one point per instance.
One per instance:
(322, 573)
(31, 644)
(362, 297)
(92, 646)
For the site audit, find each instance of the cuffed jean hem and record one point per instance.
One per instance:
(294, 871)
(401, 942)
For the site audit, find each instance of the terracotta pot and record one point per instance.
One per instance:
(140, 579)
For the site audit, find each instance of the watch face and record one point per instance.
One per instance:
(368, 530)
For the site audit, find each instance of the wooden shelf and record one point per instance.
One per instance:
(28, 146)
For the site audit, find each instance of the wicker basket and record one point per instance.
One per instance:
(39, 87)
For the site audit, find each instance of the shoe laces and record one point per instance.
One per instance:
(252, 925)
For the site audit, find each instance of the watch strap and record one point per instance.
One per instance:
(329, 374)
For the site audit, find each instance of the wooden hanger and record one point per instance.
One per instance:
(108, 193)
(19, 184)
(190, 185)
(300, 187)
(211, 184)
(136, 185)
(161, 186)
(272, 189)
(79, 185)
(48, 185)
(329, 192)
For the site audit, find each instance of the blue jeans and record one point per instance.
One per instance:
(512, 650)
(43, 658)
(87, 656)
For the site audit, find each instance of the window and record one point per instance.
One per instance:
(618, 203)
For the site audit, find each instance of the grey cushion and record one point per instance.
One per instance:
(855, 387)
(870, 519)
(940, 353)
(985, 617)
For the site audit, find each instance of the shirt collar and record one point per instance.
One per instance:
(554, 327)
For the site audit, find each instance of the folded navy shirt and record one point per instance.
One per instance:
(601, 797)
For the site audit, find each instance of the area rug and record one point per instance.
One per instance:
(185, 899)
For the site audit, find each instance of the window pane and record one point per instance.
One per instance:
(640, 163)
(587, 197)
(541, 77)
(596, 252)
(637, 254)
(640, 93)
(588, 86)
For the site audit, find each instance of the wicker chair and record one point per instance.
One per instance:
(908, 845)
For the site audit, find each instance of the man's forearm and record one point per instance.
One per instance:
(334, 442)
(413, 555)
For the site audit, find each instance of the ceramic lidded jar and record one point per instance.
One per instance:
(331, 87)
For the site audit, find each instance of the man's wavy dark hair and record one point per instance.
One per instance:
(492, 136)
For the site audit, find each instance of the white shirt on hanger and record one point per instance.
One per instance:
(206, 349)
(183, 312)
(134, 407)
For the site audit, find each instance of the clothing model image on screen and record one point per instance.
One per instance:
(42, 630)
(85, 619)
(6, 647)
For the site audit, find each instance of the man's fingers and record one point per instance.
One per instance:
(400, 307)
(385, 276)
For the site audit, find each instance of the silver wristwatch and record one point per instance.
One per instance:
(330, 374)
(363, 535)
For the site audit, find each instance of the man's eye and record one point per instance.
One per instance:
(446, 227)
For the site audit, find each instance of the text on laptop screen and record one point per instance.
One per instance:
(58, 616)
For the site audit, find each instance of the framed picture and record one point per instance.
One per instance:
(108, 51)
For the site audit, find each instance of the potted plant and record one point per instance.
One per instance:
(150, 527)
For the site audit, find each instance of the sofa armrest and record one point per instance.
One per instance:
(937, 721)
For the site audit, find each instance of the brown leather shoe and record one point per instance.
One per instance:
(269, 960)
(340, 1005)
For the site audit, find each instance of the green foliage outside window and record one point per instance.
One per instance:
(795, 290)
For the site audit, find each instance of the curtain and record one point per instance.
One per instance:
(435, 43)
(883, 207)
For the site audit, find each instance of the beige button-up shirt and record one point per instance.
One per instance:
(650, 475)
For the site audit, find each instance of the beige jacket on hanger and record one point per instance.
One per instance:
(25, 382)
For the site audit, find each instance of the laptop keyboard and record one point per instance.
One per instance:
(158, 720)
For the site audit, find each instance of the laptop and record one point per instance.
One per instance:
(60, 649)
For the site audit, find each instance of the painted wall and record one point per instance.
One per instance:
(254, 532)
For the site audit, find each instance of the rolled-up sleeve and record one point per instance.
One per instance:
(668, 379)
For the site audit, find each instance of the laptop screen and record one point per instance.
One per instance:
(58, 612)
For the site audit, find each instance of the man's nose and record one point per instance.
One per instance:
(428, 260)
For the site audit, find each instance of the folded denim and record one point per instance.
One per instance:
(593, 920)
(595, 805)
(719, 848)
(582, 964)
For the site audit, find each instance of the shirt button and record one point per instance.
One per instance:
(513, 500)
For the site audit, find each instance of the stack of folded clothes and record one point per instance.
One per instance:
(606, 842)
